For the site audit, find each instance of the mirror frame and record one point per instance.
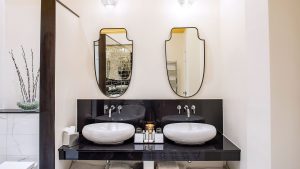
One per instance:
(204, 60)
(103, 92)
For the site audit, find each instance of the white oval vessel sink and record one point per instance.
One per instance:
(190, 133)
(108, 133)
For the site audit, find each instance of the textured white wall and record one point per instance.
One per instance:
(246, 80)
(234, 81)
(21, 27)
(285, 82)
(75, 76)
(2, 39)
(259, 101)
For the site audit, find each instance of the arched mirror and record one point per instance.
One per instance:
(185, 60)
(113, 54)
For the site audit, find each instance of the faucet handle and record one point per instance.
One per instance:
(120, 108)
(194, 109)
(186, 107)
(105, 108)
(179, 108)
(112, 107)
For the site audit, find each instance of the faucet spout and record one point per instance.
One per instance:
(112, 107)
(109, 113)
(188, 112)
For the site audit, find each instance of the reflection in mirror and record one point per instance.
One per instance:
(113, 61)
(185, 57)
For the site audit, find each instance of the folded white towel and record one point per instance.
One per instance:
(119, 166)
(80, 165)
(167, 165)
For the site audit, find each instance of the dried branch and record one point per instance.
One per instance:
(32, 76)
(27, 73)
(36, 84)
(27, 95)
(21, 82)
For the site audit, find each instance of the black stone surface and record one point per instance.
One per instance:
(218, 149)
(17, 111)
(159, 112)
(209, 111)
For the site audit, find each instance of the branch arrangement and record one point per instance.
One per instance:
(28, 92)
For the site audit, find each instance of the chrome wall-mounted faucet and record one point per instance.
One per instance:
(112, 107)
(108, 110)
(187, 109)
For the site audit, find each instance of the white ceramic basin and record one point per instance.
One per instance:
(190, 133)
(108, 133)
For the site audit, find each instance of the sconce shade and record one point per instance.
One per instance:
(109, 2)
(186, 2)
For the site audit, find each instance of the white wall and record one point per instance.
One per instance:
(285, 82)
(234, 81)
(21, 27)
(75, 76)
(259, 101)
(246, 80)
(2, 46)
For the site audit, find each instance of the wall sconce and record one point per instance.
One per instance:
(110, 3)
(186, 2)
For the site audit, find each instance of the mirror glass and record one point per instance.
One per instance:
(113, 61)
(185, 57)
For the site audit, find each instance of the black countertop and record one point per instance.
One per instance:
(218, 149)
(3, 111)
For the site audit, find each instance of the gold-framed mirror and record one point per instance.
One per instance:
(113, 54)
(185, 61)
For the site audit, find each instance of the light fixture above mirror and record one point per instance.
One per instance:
(186, 2)
(109, 3)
